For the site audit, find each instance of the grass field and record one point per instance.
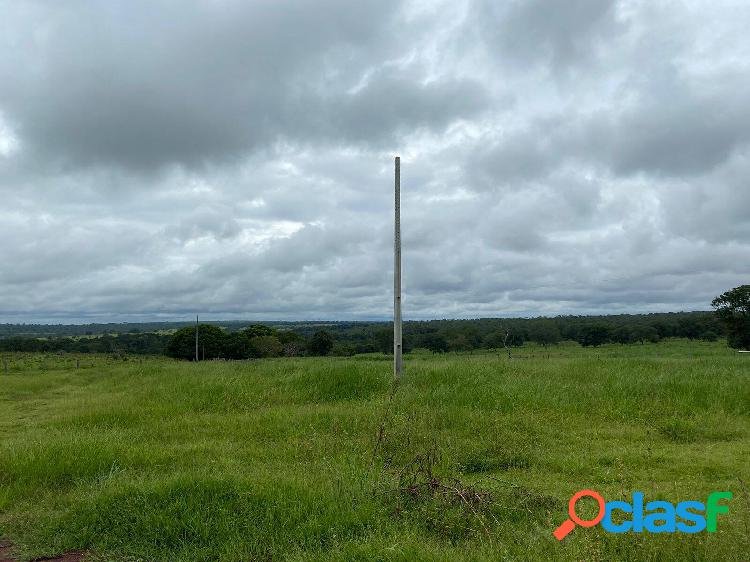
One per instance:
(280, 459)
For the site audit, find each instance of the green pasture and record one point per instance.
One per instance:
(470, 457)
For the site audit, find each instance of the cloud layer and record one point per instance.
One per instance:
(235, 158)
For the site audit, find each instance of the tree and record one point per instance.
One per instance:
(622, 334)
(664, 328)
(435, 343)
(709, 336)
(321, 343)
(459, 342)
(594, 335)
(643, 333)
(265, 346)
(294, 348)
(689, 328)
(544, 333)
(212, 342)
(238, 346)
(287, 336)
(182, 344)
(733, 310)
(257, 330)
(494, 340)
(471, 333)
(384, 340)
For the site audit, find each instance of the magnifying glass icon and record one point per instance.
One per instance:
(569, 524)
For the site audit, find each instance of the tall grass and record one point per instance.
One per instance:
(273, 459)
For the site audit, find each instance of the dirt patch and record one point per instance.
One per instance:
(6, 555)
(5, 552)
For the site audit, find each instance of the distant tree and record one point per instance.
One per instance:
(459, 342)
(343, 349)
(689, 327)
(435, 342)
(182, 344)
(504, 338)
(544, 333)
(384, 340)
(643, 333)
(594, 335)
(407, 343)
(259, 330)
(493, 340)
(622, 334)
(664, 329)
(287, 336)
(733, 310)
(709, 336)
(516, 339)
(212, 342)
(238, 346)
(294, 348)
(473, 336)
(265, 346)
(321, 343)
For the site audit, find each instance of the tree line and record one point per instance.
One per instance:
(493, 333)
(133, 344)
(255, 342)
(240, 341)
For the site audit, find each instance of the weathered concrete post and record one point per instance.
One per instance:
(397, 340)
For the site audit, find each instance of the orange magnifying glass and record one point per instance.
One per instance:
(569, 524)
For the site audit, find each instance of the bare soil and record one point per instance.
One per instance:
(6, 555)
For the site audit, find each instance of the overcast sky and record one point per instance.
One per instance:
(235, 158)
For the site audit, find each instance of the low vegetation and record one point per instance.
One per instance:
(472, 457)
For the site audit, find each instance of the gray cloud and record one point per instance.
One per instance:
(162, 157)
(544, 31)
(161, 83)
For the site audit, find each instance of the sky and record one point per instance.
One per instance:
(235, 158)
